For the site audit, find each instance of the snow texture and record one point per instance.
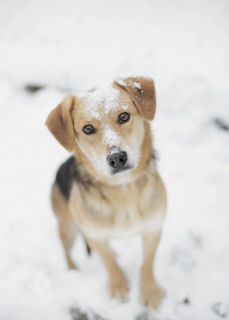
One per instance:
(110, 137)
(121, 82)
(51, 48)
(104, 95)
(137, 85)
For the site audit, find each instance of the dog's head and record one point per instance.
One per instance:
(106, 125)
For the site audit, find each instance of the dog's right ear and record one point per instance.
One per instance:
(142, 92)
(60, 123)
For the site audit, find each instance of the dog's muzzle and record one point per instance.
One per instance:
(117, 160)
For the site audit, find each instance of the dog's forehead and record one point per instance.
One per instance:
(98, 103)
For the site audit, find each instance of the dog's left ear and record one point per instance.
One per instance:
(142, 92)
(60, 123)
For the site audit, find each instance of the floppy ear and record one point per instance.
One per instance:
(142, 92)
(60, 123)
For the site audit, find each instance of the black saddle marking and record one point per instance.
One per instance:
(65, 176)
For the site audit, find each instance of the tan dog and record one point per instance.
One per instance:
(111, 187)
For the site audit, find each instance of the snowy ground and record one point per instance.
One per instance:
(69, 46)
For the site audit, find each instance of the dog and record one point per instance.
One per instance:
(110, 187)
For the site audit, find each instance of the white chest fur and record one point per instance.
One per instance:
(117, 213)
(127, 224)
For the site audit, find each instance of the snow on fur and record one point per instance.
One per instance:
(106, 95)
(80, 48)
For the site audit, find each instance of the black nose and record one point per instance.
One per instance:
(117, 160)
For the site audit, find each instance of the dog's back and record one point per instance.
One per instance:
(65, 176)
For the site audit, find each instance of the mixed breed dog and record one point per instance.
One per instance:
(110, 187)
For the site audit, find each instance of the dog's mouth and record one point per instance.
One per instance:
(121, 169)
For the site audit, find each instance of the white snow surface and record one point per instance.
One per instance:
(70, 46)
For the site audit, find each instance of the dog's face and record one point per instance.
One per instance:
(106, 124)
(109, 129)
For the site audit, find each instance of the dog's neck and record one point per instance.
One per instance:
(147, 157)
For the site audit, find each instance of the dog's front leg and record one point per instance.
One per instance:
(151, 293)
(118, 283)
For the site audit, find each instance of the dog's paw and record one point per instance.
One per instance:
(71, 265)
(152, 295)
(119, 288)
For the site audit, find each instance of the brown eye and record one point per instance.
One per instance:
(88, 129)
(123, 117)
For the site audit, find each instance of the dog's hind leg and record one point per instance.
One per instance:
(67, 226)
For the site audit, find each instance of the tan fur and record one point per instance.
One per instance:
(60, 123)
(118, 284)
(67, 227)
(151, 293)
(142, 91)
(126, 204)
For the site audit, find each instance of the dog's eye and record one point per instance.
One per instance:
(88, 129)
(123, 117)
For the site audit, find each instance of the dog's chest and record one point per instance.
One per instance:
(127, 224)
(125, 213)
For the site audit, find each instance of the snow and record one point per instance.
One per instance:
(71, 46)
(137, 85)
(121, 82)
(111, 137)
(106, 95)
